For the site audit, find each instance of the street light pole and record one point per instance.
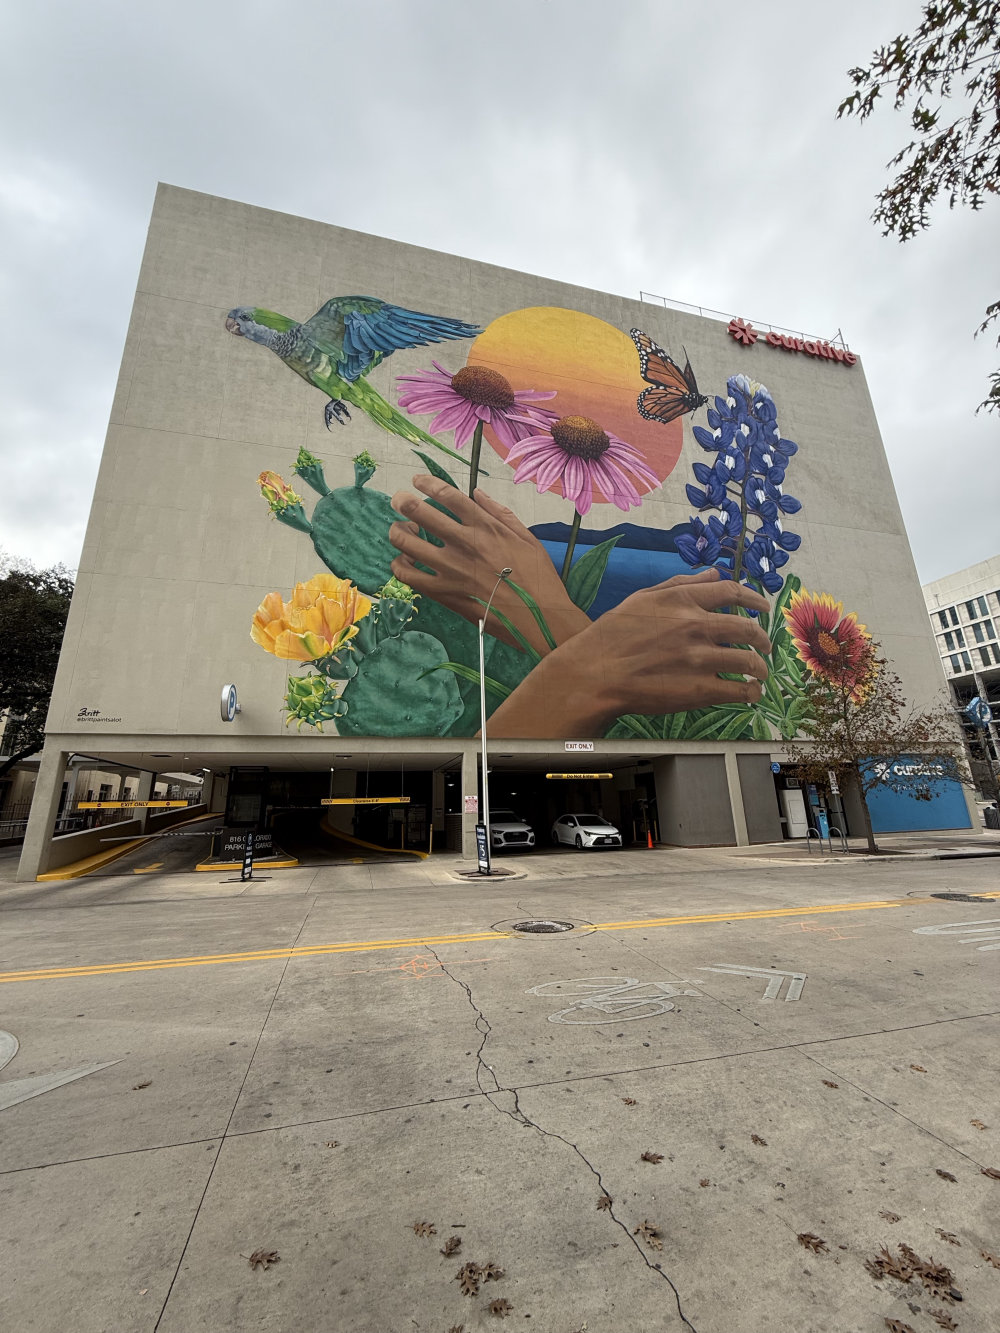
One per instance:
(502, 577)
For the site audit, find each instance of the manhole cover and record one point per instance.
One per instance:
(542, 927)
(962, 898)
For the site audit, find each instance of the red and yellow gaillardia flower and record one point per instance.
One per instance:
(832, 645)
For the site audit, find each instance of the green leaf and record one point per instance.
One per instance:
(513, 631)
(436, 470)
(467, 673)
(584, 578)
(636, 724)
(536, 612)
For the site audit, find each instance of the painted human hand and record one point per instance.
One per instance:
(659, 651)
(482, 538)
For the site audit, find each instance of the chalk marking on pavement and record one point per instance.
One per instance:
(365, 946)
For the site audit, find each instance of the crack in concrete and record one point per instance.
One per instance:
(520, 1117)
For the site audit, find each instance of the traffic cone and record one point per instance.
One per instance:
(649, 838)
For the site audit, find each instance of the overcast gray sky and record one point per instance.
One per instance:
(687, 149)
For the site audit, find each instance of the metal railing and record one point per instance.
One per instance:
(650, 298)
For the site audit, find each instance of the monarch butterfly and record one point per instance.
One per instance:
(674, 391)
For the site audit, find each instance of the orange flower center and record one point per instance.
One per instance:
(580, 437)
(829, 644)
(483, 387)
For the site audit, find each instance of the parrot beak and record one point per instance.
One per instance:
(233, 326)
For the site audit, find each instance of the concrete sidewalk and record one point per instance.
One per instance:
(348, 1066)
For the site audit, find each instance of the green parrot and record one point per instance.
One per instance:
(348, 337)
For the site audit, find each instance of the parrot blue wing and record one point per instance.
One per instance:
(361, 330)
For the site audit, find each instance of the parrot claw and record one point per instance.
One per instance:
(337, 411)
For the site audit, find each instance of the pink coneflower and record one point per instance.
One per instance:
(474, 396)
(588, 461)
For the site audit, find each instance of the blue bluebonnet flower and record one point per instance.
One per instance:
(743, 488)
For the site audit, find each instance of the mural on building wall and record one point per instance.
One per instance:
(599, 631)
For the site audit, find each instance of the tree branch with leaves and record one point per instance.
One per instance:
(860, 726)
(952, 57)
(33, 608)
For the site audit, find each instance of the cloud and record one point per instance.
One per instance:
(687, 150)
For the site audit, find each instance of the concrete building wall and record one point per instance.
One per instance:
(181, 549)
(692, 798)
(760, 800)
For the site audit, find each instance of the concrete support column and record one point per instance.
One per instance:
(736, 799)
(142, 793)
(220, 790)
(44, 811)
(470, 787)
(437, 807)
(343, 783)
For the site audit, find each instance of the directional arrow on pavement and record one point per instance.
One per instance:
(985, 934)
(16, 1090)
(775, 979)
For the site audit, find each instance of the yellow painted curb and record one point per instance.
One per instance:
(372, 846)
(257, 864)
(88, 864)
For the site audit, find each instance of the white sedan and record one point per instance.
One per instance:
(581, 831)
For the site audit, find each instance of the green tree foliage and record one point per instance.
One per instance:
(860, 726)
(33, 608)
(953, 57)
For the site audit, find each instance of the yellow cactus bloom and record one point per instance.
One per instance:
(278, 494)
(320, 618)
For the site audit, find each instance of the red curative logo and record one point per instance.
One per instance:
(743, 333)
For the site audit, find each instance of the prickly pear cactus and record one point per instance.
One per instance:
(388, 697)
(350, 531)
(312, 700)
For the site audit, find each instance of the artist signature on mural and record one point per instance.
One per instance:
(611, 999)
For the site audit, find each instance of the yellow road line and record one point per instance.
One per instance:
(366, 946)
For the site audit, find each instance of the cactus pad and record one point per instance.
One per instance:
(388, 698)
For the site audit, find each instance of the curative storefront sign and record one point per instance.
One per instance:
(746, 334)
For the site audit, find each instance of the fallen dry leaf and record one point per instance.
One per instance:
(811, 1242)
(264, 1258)
(918, 1069)
(948, 1236)
(934, 1278)
(885, 1264)
(451, 1245)
(653, 1157)
(943, 1318)
(897, 1326)
(138, 1087)
(468, 1278)
(332, 1143)
(761, 1143)
(650, 1233)
(457, 1328)
(424, 1229)
(629, 1101)
(978, 1124)
(828, 1084)
(501, 1307)
(990, 1171)
(604, 1202)
(490, 1271)
(889, 1217)
(946, 1175)
(990, 1258)
(704, 1182)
